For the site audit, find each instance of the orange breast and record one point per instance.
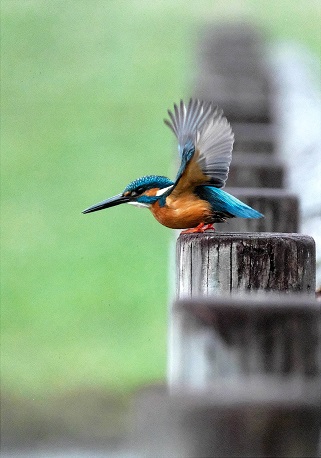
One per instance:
(184, 212)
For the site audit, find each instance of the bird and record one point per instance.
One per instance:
(195, 200)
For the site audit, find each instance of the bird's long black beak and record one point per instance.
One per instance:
(111, 202)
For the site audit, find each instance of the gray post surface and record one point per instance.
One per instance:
(246, 337)
(263, 346)
(213, 263)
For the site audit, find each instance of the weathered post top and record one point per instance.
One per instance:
(212, 263)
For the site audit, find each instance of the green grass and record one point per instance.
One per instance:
(85, 85)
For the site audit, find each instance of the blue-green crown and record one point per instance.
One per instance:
(148, 182)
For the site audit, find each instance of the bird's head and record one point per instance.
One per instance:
(142, 192)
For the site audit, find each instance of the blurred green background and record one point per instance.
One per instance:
(85, 86)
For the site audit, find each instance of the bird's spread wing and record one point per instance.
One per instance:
(205, 143)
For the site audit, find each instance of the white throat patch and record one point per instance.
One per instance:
(139, 204)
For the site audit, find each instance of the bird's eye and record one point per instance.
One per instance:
(138, 191)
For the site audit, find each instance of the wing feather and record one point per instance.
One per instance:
(203, 125)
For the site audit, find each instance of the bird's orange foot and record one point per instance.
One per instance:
(208, 227)
(200, 228)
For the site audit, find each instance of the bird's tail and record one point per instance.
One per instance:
(225, 202)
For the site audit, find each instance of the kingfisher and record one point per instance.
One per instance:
(195, 200)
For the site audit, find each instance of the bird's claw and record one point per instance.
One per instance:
(200, 228)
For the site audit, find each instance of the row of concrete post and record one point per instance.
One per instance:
(244, 348)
